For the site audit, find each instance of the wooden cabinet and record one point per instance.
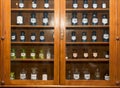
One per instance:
(68, 47)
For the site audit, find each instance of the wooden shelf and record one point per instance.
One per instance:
(88, 26)
(35, 60)
(88, 60)
(88, 9)
(89, 43)
(30, 9)
(31, 26)
(32, 42)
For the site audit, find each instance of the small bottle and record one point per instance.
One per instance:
(23, 74)
(104, 20)
(45, 18)
(46, 4)
(44, 75)
(73, 36)
(74, 54)
(75, 4)
(95, 53)
(32, 54)
(84, 37)
(42, 37)
(12, 75)
(48, 55)
(97, 74)
(33, 37)
(105, 36)
(34, 73)
(69, 75)
(85, 54)
(21, 4)
(107, 55)
(94, 36)
(23, 54)
(76, 74)
(41, 54)
(94, 19)
(20, 19)
(34, 4)
(84, 19)
(22, 36)
(13, 54)
(13, 36)
(85, 4)
(106, 76)
(104, 5)
(74, 19)
(86, 74)
(33, 20)
(94, 4)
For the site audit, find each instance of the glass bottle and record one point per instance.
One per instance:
(74, 54)
(41, 54)
(95, 53)
(21, 4)
(76, 74)
(22, 36)
(94, 4)
(33, 54)
(34, 4)
(13, 54)
(34, 73)
(23, 54)
(86, 74)
(33, 20)
(106, 76)
(75, 4)
(42, 37)
(104, 5)
(104, 19)
(84, 19)
(48, 55)
(73, 36)
(69, 75)
(20, 19)
(94, 19)
(23, 74)
(46, 4)
(97, 74)
(33, 37)
(105, 36)
(74, 19)
(44, 74)
(84, 37)
(13, 36)
(85, 54)
(85, 4)
(107, 54)
(45, 18)
(12, 75)
(94, 36)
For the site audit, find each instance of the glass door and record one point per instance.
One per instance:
(88, 54)
(32, 41)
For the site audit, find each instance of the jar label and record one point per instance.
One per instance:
(76, 76)
(42, 37)
(44, 77)
(87, 76)
(84, 38)
(104, 21)
(34, 5)
(41, 55)
(74, 20)
(85, 6)
(95, 20)
(19, 19)
(33, 20)
(45, 20)
(48, 55)
(46, 5)
(104, 5)
(32, 37)
(75, 55)
(22, 37)
(23, 54)
(85, 55)
(106, 36)
(34, 76)
(94, 37)
(107, 56)
(94, 6)
(95, 54)
(107, 77)
(12, 54)
(21, 5)
(32, 54)
(73, 38)
(22, 76)
(75, 5)
(13, 37)
(85, 20)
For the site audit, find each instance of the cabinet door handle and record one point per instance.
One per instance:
(117, 82)
(117, 38)
(2, 38)
(2, 82)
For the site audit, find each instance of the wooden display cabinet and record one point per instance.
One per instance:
(27, 65)
(90, 63)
